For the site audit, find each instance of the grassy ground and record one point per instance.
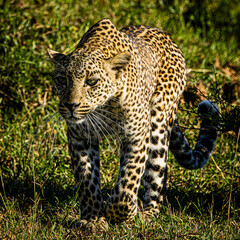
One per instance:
(36, 183)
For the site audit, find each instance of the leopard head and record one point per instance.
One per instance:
(87, 80)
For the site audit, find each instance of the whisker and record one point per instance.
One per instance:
(55, 134)
(92, 123)
(45, 121)
(96, 127)
(112, 113)
(108, 126)
(88, 132)
(84, 126)
(102, 130)
(104, 116)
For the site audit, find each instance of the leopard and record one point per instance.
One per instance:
(127, 84)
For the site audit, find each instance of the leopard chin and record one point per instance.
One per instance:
(75, 120)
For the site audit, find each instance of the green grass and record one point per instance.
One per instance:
(36, 183)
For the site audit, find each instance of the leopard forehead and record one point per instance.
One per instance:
(82, 64)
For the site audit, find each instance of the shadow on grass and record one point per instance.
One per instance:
(217, 201)
(25, 192)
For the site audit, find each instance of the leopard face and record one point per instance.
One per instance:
(86, 81)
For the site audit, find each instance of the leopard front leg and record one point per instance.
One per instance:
(122, 205)
(84, 152)
(155, 175)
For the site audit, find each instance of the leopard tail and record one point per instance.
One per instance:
(179, 146)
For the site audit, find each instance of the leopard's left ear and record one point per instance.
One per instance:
(120, 61)
(56, 56)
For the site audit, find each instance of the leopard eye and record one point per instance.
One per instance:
(61, 80)
(91, 82)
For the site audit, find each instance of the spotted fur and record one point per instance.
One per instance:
(126, 84)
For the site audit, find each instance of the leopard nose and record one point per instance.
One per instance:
(71, 106)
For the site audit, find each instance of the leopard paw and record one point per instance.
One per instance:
(93, 225)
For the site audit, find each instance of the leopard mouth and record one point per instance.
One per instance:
(75, 120)
(72, 117)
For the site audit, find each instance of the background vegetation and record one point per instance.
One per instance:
(36, 182)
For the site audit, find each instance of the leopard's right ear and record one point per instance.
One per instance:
(55, 56)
